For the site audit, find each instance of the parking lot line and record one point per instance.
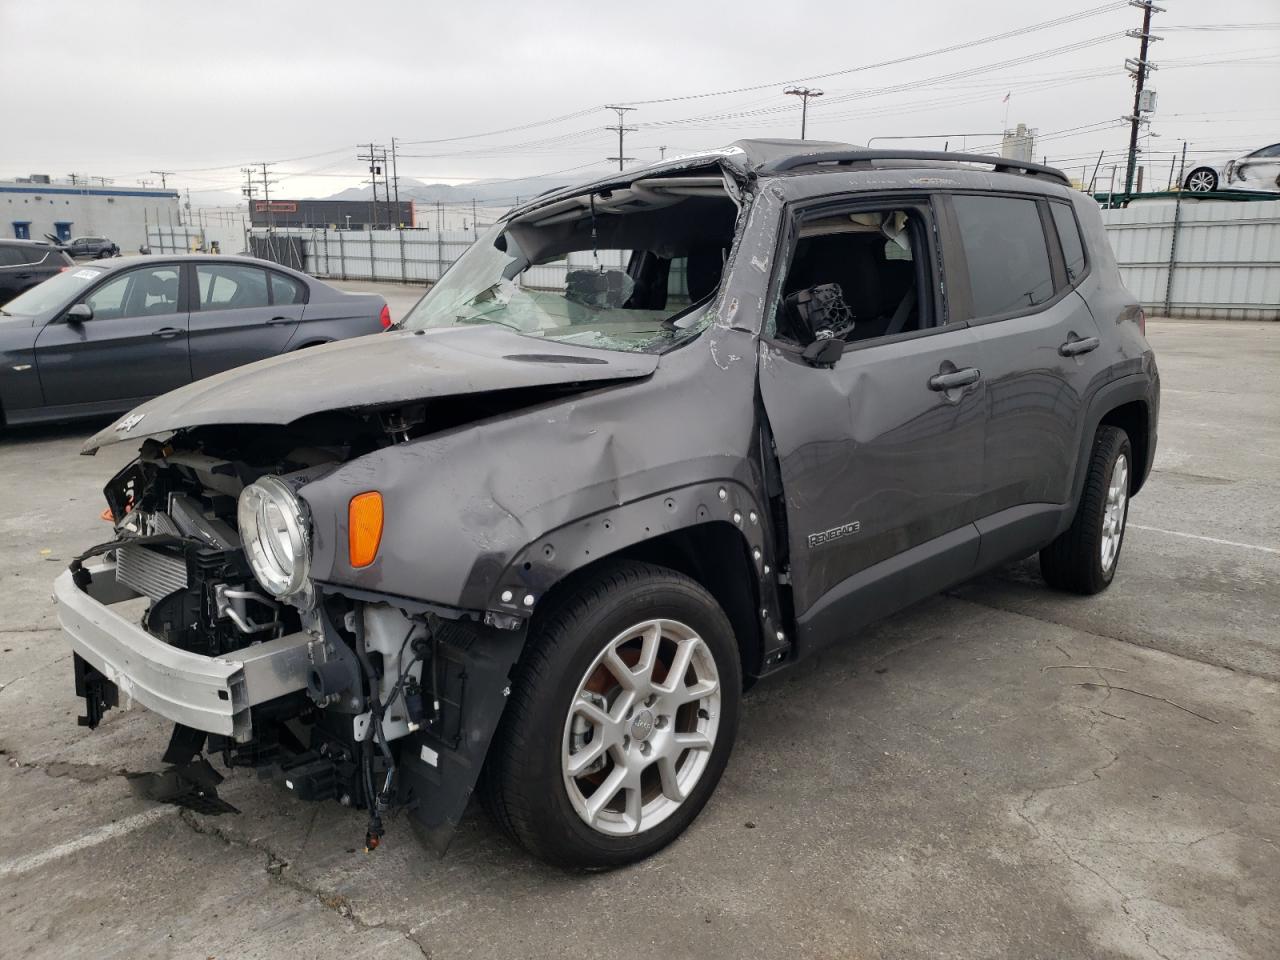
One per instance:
(1196, 536)
(20, 865)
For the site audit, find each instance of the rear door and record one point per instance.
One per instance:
(134, 347)
(1039, 349)
(16, 273)
(881, 454)
(241, 313)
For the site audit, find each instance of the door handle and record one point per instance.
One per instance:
(275, 321)
(1076, 346)
(166, 333)
(958, 378)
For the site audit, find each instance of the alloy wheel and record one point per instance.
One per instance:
(1114, 511)
(1202, 181)
(641, 727)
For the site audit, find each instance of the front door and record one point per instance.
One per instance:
(881, 454)
(241, 313)
(134, 347)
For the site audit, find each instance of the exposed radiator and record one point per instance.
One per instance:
(150, 572)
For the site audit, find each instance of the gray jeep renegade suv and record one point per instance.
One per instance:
(649, 439)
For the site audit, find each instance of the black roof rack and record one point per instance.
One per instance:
(843, 157)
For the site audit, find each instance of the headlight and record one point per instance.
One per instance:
(276, 536)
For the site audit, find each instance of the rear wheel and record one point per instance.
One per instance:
(1202, 180)
(620, 722)
(1084, 558)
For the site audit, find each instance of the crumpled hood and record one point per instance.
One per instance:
(372, 371)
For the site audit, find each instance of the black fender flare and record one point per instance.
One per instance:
(547, 561)
(1135, 387)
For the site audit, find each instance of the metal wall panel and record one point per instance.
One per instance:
(1226, 263)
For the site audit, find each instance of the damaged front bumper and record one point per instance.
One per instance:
(212, 694)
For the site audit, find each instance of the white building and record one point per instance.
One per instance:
(31, 207)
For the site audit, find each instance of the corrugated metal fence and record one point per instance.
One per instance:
(405, 256)
(1200, 258)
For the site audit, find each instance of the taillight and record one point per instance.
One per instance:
(385, 317)
(1142, 321)
(63, 269)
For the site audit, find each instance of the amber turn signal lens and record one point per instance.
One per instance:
(364, 528)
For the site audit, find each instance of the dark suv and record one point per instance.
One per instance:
(25, 263)
(648, 440)
(91, 248)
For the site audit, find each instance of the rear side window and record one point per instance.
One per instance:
(1004, 244)
(286, 289)
(231, 286)
(1069, 237)
(20, 256)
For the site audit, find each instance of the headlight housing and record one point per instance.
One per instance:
(276, 533)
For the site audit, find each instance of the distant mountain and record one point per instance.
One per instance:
(484, 191)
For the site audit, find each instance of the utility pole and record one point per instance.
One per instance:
(622, 130)
(144, 184)
(1140, 68)
(395, 180)
(163, 175)
(376, 163)
(804, 93)
(662, 152)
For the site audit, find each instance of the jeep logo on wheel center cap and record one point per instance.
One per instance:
(642, 725)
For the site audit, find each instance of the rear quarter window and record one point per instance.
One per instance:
(1072, 243)
(286, 290)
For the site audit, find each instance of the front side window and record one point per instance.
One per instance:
(629, 269)
(151, 291)
(58, 291)
(855, 277)
(231, 286)
(1004, 245)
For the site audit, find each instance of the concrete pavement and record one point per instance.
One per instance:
(1000, 772)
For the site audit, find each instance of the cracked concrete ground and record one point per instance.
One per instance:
(999, 772)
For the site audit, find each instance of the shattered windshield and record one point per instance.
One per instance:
(629, 269)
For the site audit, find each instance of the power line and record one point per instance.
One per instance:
(1006, 35)
(163, 175)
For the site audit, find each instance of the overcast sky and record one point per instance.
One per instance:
(123, 88)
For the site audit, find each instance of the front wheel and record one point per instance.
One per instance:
(621, 719)
(1084, 558)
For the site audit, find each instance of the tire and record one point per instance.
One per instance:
(568, 705)
(1201, 180)
(1084, 558)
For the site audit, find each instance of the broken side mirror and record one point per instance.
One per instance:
(819, 318)
(79, 313)
(823, 352)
